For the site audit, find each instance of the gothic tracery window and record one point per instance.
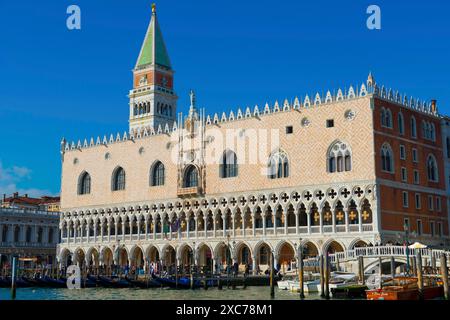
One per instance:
(118, 182)
(339, 157)
(387, 161)
(84, 184)
(432, 170)
(228, 165)
(190, 177)
(157, 174)
(278, 165)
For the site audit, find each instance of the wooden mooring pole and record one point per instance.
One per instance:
(327, 276)
(419, 274)
(361, 269)
(444, 274)
(392, 267)
(13, 278)
(322, 278)
(272, 288)
(380, 263)
(301, 274)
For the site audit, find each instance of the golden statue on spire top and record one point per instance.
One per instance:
(153, 7)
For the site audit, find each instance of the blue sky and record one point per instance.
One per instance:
(58, 83)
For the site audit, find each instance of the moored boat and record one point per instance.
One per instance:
(405, 288)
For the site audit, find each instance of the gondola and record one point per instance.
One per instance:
(114, 282)
(148, 283)
(20, 283)
(49, 282)
(183, 282)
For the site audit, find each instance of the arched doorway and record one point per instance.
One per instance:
(244, 255)
(137, 258)
(263, 257)
(205, 258)
(334, 247)
(223, 256)
(122, 257)
(187, 258)
(93, 258)
(310, 250)
(79, 257)
(286, 257)
(169, 256)
(153, 254)
(107, 259)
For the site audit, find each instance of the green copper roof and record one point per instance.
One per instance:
(153, 49)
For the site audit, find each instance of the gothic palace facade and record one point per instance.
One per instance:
(362, 166)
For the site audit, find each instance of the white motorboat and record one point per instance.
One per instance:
(338, 279)
(283, 285)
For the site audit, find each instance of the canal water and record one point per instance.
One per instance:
(250, 293)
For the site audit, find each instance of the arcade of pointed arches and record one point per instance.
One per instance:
(214, 256)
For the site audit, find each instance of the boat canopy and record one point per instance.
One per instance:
(417, 245)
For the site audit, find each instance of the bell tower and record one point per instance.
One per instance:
(153, 101)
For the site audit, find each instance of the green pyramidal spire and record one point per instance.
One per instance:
(153, 49)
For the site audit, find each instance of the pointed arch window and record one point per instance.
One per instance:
(118, 179)
(228, 165)
(157, 174)
(432, 170)
(448, 147)
(386, 118)
(28, 234)
(339, 157)
(190, 177)
(278, 165)
(5, 233)
(401, 124)
(383, 117)
(387, 160)
(84, 184)
(413, 127)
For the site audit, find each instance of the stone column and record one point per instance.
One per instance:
(214, 225)
(68, 232)
(346, 210)
(196, 226)
(274, 215)
(275, 260)
(308, 221)
(286, 215)
(263, 215)
(146, 228)
(296, 222)
(254, 265)
(333, 219)
(359, 208)
(321, 220)
(123, 229)
(61, 232)
(233, 223)
(253, 224)
(224, 223)
(243, 224)
(95, 230)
